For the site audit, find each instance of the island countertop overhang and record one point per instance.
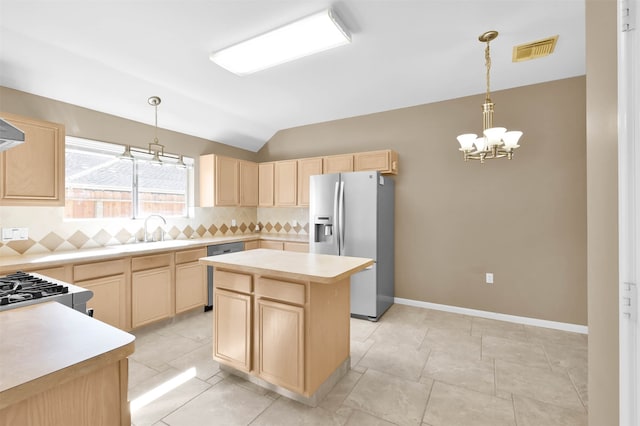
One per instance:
(320, 268)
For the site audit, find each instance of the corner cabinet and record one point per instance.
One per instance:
(32, 174)
(227, 182)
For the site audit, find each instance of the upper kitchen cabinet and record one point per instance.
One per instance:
(307, 167)
(286, 183)
(265, 184)
(385, 161)
(32, 174)
(226, 181)
(248, 184)
(338, 163)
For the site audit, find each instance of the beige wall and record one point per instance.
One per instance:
(602, 211)
(89, 124)
(524, 220)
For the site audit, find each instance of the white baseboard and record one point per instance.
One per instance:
(575, 328)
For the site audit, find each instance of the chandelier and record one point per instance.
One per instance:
(495, 142)
(155, 149)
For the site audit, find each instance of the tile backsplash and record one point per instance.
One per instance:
(50, 232)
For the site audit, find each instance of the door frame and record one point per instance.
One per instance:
(628, 198)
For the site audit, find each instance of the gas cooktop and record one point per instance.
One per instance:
(22, 289)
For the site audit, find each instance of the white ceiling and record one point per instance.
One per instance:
(111, 55)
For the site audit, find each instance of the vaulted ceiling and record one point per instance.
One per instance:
(111, 55)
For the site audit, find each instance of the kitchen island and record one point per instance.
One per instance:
(61, 367)
(281, 319)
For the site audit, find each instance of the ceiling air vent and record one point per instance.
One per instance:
(533, 50)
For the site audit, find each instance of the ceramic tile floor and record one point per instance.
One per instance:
(414, 367)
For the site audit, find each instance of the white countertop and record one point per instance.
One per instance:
(322, 268)
(46, 260)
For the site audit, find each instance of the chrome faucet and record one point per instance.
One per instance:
(145, 227)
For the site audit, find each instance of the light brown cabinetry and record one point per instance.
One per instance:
(248, 183)
(272, 245)
(108, 281)
(226, 181)
(251, 245)
(265, 184)
(280, 330)
(32, 174)
(152, 289)
(233, 319)
(385, 161)
(280, 344)
(286, 183)
(307, 167)
(191, 282)
(295, 246)
(337, 163)
(62, 273)
(69, 370)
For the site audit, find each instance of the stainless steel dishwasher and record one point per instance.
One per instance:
(216, 250)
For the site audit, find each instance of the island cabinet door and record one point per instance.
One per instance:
(232, 329)
(280, 344)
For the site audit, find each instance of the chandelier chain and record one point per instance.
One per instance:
(487, 58)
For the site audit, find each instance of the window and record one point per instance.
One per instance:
(101, 184)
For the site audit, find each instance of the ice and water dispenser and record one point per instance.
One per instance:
(323, 229)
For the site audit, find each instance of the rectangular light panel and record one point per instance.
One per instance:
(315, 33)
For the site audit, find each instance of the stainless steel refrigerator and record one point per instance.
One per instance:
(352, 214)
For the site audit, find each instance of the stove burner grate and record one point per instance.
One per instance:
(20, 286)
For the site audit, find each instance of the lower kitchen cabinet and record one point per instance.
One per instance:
(191, 280)
(272, 245)
(232, 334)
(108, 281)
(280, 344)
(152, 292)
(251, 245)
(108, 299)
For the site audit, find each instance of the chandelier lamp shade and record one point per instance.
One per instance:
(495, 142)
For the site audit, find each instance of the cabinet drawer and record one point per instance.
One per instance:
(281, 290)
(232, 281)
(150, 262)
(299, 247)
(90, 271)
(271, 245)
(251, 245)
(187, 256)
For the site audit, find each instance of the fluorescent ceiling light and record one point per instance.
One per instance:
(313, 34)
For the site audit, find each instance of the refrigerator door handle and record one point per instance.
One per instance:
(341, 219)
(336, 220)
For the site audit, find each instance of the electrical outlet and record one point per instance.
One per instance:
(15, 234)
(489, 278)
(233, 222)
(294, 223)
